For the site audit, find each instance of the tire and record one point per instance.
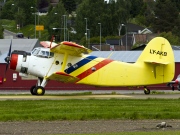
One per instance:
(146, 91)
(32, 90)
(178, 87)
(39, 90)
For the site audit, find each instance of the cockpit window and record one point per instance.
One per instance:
(45, 54)
(42, 53)
(35, 51)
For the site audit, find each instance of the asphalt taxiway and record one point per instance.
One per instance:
(58, 95)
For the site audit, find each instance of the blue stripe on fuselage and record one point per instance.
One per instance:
(79, 64)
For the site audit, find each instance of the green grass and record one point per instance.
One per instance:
(92, 109)
(9, 25)
(27, 30)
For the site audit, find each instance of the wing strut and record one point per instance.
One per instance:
(64, 61)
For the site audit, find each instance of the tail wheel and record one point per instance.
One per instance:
(178, 87)
(146, 91)
(32, 90)
(39, 90)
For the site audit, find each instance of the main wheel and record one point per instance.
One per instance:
(32, 90)
(39, 90)
(178, 87)
(146, 91)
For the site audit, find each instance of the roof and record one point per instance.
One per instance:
(134, 27)
(174, 47)
(113, 41)
(17, 44)
(29, 44)
(127, 56)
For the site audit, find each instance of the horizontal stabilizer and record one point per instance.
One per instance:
(63, 77)
(156, 62)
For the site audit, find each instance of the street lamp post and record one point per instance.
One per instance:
(100, 35)
(126, 34)
(18, 22)
(86, 29)
(34, 24)
(88, 38)
(64, 27)
(58, 28)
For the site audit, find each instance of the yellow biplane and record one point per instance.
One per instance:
(72, 63)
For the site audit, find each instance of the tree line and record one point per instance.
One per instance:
(161, 16)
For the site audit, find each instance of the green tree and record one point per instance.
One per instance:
(147, 14)
(177, 3)
(110, 15)
(23, 8)
(136, 7)
(42, 3)
(20, 17)
(166, 16)
(7, 11)
(55, 19)
(69, 5)
(174, 40)
(1, 31)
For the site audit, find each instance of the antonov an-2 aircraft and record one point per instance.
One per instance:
(69, 62)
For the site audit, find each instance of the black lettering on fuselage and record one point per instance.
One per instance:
(158, 52)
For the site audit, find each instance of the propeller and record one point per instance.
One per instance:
(7, 60)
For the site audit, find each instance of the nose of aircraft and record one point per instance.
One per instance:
(13, 61)
(7, 59)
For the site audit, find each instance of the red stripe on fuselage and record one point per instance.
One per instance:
(96, 67)
(14, 60)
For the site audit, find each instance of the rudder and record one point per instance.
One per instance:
(159, 51)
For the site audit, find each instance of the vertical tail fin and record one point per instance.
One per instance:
(158, 57)
(158, 50)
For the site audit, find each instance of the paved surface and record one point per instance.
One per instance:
(57, 95)
(75, 127)
(54, 97)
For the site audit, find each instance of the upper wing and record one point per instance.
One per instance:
(69, 47)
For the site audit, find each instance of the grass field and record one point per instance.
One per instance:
(92, 109)
(26, 30)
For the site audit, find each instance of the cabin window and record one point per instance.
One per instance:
(46, 54)
(49, 54)
(35, 51)
(42, 53)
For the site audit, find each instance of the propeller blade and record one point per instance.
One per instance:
(10, 49)
(7, 60)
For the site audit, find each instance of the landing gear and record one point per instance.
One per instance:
(32, 90)
(146, 91)
(178, 87)
(39, 88)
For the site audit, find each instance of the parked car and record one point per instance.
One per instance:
(20, 35)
